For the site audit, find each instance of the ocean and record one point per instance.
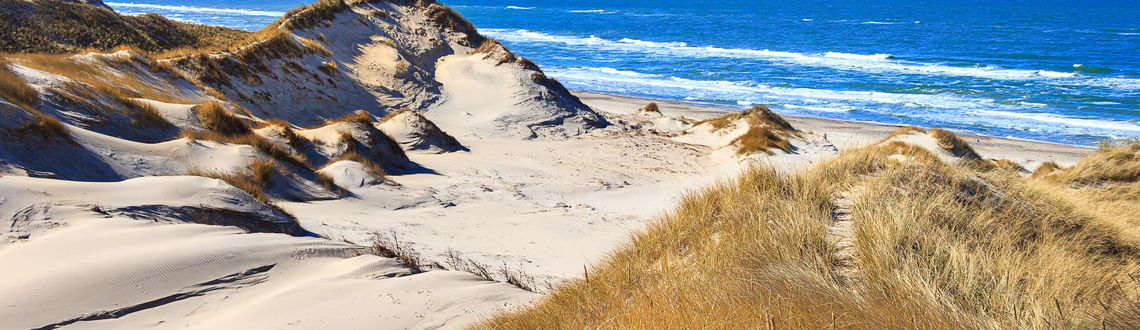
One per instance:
(1055, 71)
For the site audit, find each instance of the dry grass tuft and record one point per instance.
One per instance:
(649, 109)
(254, 140)
(938, 244)
(950, 142)
(217, 119)
(329, 68)
(1046, 169)
(388, 246)
(14, 89)
(1113, 163)
(904, 131)
(47, 126)
(253, 180)
(393, 114)
(760, 139)
(359, 117)
(758, 115)
(375, 170)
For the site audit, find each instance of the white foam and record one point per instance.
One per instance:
(595, 11)
(874, 57)
(871, 63)
(519, 8)
(627, 81)
(881, 23)
(189, 9)
(1068, 121)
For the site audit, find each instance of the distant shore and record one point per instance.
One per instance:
(850, 134)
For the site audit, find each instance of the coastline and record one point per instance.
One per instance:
(850, 134)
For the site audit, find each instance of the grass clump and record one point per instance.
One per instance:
(51, 26)
(215, 118)
(14, 89)
(937, 244)
(1112, 163)
(760, 139)
(253, 180)
(373, 169)
(956, 146)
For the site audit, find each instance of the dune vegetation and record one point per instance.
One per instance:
(934, 243)
(52, 26)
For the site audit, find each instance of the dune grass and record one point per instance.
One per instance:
(760, 139)
(215, 118)
(373, 169)
(14, 89)
(939, 246)
(51, 26)
(254, 179)
(222, 126)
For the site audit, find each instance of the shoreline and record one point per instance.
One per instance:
(852, 134)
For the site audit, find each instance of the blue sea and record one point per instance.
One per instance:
(1057, 71)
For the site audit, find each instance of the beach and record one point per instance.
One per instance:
(849, 134)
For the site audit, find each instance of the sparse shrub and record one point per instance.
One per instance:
(650, 108)
(389, 246)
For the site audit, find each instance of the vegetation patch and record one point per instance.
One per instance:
(938, 244)
(14, 89)
(58, 27)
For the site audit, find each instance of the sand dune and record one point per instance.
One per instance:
(319, 173)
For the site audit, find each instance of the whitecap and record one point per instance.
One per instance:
(871, 63)
(595, 11)
(1065, 120)
(519, 8)
(189, 9)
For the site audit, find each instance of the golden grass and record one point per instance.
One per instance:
(950, 142)
(358, 117)
(375, 170)
(758, 115)
(328, 68)
(1046, 169)
(217, 119)
(50, 26)
(253, 140)
(1113, 163)
(939, 246)
(393, 114)
(14, 89)
(254, 179)
(760, 139)
(650, 108)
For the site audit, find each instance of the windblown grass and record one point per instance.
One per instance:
(253, 180)
(51, 26)
(217, 119)
(14, 89)
(939, 245)
(373, 169)
(760, 139)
